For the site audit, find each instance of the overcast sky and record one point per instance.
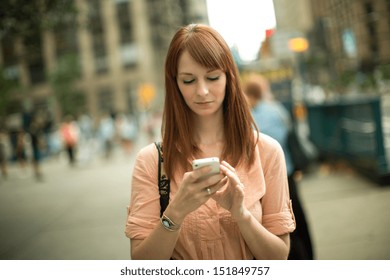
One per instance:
(242, 23)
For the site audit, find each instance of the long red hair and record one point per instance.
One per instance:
(209, 49)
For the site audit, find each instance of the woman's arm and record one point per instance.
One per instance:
(262, 243)
(160, 243)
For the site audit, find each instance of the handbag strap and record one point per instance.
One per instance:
(163, 181)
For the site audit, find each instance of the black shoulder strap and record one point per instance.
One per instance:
(163, 181)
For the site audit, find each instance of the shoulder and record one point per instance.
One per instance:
(269, 149)
(146, 164)
(147, 152)
(266, 142)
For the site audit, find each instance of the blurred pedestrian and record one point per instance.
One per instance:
(153, 125)
(273, 119)
(3, 152)
(37, 137)
(127, 131)
(86, 141)
(20, 151)
(69, 134)
(48, 128)
(242, 212)
(107, 134)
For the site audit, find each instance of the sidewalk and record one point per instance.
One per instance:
(349, 215)
(76, 213)
(79, 213)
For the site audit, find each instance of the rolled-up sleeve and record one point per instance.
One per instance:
(144, 207)
(278, 216)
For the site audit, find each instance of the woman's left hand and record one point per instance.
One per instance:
(232, 197)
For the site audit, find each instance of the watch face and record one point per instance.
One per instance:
(166, 223)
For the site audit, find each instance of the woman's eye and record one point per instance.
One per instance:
(213, 78)
(188, 81)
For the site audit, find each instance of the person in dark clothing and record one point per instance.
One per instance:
(3, 154)
(301, 245)
(273, 119)
(37, 137)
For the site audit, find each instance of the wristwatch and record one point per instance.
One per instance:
(168, 224)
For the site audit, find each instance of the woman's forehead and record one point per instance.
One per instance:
(187, 64)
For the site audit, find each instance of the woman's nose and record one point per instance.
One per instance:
(202, 89)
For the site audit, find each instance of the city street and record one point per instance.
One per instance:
(79, 212)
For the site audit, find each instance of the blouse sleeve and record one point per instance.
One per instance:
(144, 208)
(278, 216)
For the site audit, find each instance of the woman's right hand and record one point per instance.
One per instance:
(193, 192)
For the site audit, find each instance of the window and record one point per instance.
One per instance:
(98, 36)
(10, 61)
(105, 99)
(36, 68)
(128, 49)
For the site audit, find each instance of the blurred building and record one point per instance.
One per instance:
(348, 39)
(355, 35)
(293, 19)
(119, 46)
(277, 62)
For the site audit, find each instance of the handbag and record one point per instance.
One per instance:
(163, 181)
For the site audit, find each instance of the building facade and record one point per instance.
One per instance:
(348, 39)
(118, 47)
(351, 36)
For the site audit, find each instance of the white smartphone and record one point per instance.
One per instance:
(212, 161)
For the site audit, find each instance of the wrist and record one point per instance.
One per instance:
(174, 213)
(242, 216)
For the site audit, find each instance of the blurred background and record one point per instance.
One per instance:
(82, 89)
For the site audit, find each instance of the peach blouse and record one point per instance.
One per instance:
(209, 232)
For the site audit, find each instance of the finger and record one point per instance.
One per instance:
(240, 187)
(217, 186)
(196, 174)
(210, 180)
(226, 170)
(226, 164)
(220, 184)
(214, 179)
(231, 175)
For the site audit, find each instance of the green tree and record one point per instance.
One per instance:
(25, 21)
(6, 88)
(22, 18)
(62, 79)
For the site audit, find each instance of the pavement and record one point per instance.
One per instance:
(79, 213)
(348, 214)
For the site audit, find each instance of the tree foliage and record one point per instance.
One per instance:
(23, 18)
(26, 20)
(62, 79)
(6, 87)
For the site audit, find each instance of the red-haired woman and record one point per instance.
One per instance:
(244, 212)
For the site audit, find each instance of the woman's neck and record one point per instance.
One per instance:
(209, 131)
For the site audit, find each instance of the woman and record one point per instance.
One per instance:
(242, 213)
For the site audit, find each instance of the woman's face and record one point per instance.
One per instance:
(203, 89)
